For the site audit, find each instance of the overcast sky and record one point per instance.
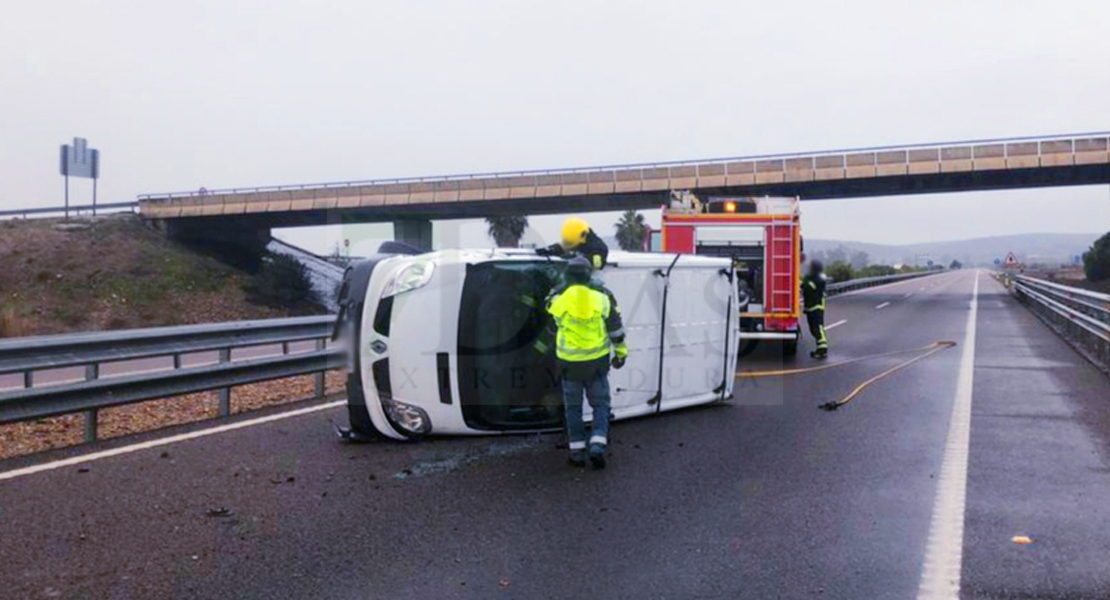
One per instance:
(231, 93)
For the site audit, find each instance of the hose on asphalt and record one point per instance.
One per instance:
(923, 352)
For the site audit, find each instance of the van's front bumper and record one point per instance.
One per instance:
(359, 301)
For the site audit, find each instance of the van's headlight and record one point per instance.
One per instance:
(411, 420)
(409, 278)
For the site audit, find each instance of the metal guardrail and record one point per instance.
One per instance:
(958, 148)
(1081, 316)
(91, 350)
(866, 282)
(107, 206)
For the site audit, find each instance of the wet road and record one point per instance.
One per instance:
(764, 497)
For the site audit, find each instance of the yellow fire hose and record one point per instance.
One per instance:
(925, 351)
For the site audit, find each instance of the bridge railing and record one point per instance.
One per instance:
(1016, 152)
(41, 354)
(1081, 316)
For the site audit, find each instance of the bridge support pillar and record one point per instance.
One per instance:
(414, 232)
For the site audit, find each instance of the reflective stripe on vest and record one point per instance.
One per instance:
(580, 314)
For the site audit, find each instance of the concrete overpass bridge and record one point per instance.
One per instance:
(412, 203)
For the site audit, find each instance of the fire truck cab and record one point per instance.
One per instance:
(763, 238)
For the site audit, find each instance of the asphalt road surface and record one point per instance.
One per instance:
(915, 489)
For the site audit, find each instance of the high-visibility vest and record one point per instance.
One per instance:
(580, 313)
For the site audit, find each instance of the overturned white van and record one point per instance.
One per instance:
(442, 342)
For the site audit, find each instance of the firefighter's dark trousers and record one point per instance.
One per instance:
(816, 320)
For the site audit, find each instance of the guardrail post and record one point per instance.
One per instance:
(176, 361)
(225, 393)
(320, 376)
(28, 378)
(91, 416)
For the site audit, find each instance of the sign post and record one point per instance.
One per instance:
(79, 160)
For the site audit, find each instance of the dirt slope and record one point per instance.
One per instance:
(111, 273)
(116, 273)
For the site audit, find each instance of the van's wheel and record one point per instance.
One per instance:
(790, 348)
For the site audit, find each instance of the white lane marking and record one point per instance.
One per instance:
(908, 295)
(940, 575)
(173, 439)
(837, 324)
(882, 306)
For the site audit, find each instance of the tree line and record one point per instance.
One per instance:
(507, 231)
(1096, 260)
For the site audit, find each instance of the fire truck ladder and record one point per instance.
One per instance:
(782, 265)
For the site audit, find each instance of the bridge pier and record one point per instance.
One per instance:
(414, 232)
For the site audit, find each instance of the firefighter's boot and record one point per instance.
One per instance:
(597, 457)
(577, 458)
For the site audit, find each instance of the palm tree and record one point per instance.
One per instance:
(631, 231)
(507, 231)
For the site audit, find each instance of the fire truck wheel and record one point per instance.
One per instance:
(790, 348)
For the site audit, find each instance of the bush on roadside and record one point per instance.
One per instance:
(839, 271)
(1096, 261)
(875, 271)
(281, 282)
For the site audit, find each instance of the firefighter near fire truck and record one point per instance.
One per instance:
(578, 239)
(813, 300)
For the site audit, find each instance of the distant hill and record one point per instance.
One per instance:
(1032, 248)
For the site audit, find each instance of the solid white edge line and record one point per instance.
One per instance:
(940, 573)
(837, 324)
(173, 439)
(882, 306)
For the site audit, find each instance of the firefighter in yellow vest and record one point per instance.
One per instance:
(578, 239)
(589, 338)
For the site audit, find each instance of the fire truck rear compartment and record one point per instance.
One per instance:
(746, 247)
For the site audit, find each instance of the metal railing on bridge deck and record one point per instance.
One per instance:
(88, 394)
(1081, 316)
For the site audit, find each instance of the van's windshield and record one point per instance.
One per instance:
(504, 382)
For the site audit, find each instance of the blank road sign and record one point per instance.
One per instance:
(79, 160)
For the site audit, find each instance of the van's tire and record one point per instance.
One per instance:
(790, 348)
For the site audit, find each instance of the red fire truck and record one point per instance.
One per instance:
(763, 238)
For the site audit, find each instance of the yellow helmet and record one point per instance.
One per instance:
(574, 233)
